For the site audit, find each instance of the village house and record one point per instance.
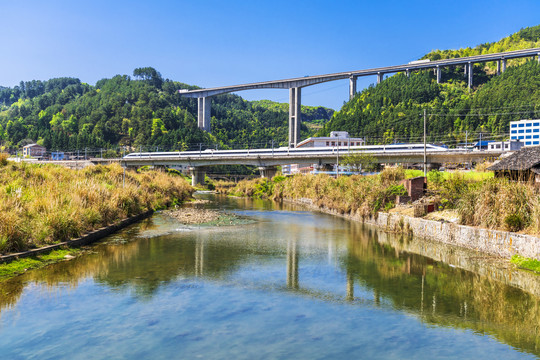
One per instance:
(523, 165)
(34, 150)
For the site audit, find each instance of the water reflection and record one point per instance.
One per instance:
(313, 256)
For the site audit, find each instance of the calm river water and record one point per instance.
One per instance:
(292, 284)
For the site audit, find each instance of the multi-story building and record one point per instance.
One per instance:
(336, 138)
(528, 131)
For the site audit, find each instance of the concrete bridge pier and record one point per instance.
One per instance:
(379, 77)
(503, 65)
(203, 114)
(197, 175)
(267, 172)
(295, 115)
(538, 57)
(408, 73)
(470, 75)
(498, 67)
(438, 72)
(352, 86)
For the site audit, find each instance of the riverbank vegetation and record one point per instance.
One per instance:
(46, 204)
(478, 200)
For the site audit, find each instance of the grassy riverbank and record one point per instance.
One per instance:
(46, 204)
(477, 199)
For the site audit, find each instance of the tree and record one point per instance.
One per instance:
(360, 161)
(150, 75)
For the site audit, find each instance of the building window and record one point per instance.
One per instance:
(333, 143)
(521, 137)
(535, 142)
(528, 137)
(528, 143)
(327, 143)
(513, 137)
(521, 125)
(536, 136)
(528, 124)
(536, 124)
(521, 131)
(506, 146)
(528, 130)
(514, 131)
(498, 146)
(514, 125)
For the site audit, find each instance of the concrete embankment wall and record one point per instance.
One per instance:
(83, 240)
(493, 242)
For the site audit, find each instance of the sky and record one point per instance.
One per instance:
(217, 43)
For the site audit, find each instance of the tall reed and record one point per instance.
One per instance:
(44, 204)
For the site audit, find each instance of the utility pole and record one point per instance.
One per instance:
(466, 138)
(425, 153)
(337, 163)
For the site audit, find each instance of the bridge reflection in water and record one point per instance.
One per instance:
(313, 256)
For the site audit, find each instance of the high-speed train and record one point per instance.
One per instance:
(284, 151)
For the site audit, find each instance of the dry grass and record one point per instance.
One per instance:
(47, 204)
(362, 195)
(501, 204)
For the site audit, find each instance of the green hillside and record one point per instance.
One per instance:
(392, 110)
(143, 110)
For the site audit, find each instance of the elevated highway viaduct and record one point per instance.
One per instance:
(295, 85)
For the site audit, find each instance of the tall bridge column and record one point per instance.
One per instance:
(538, 57)
(295, 115)
(352, 86)
(503, 65)
(408, 72)
(438, 74)
(203, 115)
(197, 175)
(498, 67)
(470, 75)
(379, 77)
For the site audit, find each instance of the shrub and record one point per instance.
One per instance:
(3, 159)
(514, 222)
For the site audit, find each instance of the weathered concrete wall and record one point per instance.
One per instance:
(493, 242)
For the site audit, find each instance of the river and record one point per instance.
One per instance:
(287, 284)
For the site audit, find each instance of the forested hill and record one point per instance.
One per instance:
(142, 110)
(392, 110)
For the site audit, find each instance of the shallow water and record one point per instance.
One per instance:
(291, 284)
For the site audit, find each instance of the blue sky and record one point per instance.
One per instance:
(217, 43)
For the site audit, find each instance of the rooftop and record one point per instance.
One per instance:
(524, 159)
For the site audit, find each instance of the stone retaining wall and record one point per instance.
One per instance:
(493, 242)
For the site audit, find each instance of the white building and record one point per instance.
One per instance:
(528, 131)
(336, 138)
(513, 145)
